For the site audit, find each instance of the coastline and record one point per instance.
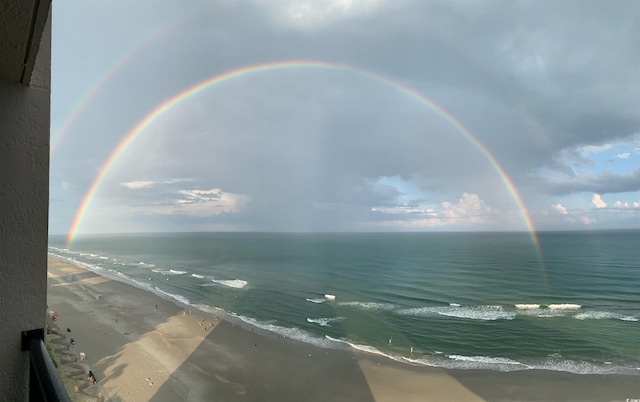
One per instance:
(162, 355)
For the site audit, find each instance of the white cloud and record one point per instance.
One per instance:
(620, 204)
(560, 208)
(624, 155)
(586, 220)
(134, 185)
(469, 207)
(403, 209)
(201, 195)
(594, 149)
(597, 201)
(468, 210)
(412, 224)
(203, 203)
(180, 180)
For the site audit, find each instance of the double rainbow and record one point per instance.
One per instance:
(291, 65)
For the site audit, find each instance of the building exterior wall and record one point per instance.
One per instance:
(24, 204)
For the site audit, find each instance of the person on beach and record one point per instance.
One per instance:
(73, 342)
(411, 351)
(390, 339)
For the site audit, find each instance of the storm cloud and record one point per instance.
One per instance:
(480, 111)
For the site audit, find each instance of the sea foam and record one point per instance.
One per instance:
(483, 313)
(487, 362)
(527, 306)
(369, 305)
(232, 283)
(324, 322)
(564, 306)
(603, 315)
(365, 348)
(176, 297)
(292, 333)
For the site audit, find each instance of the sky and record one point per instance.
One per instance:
(379, 115)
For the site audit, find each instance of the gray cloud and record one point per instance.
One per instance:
(605, 183)
(533, 82)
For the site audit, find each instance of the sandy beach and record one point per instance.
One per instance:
(142, 347)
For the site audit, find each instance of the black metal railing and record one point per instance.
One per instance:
(44, 383)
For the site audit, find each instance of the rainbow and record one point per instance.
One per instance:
(112, 71)
(290, 65)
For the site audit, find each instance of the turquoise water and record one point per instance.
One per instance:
(461, 300)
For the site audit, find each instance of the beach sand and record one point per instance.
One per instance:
(140, 353)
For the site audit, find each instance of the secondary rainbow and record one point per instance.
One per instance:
(112, 71)
(289, 65)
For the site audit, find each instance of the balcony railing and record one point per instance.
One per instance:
(44, 383)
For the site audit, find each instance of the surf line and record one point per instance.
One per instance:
(291, 65)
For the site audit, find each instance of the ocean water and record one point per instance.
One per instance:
(460, 300)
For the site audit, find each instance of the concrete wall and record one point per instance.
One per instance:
(24, 204)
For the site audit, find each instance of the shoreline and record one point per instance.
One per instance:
(230, 361)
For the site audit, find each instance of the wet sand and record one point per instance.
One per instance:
(160, 354)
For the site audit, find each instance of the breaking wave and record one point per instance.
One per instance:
(232, 283)
(485, 313)
(324, 322)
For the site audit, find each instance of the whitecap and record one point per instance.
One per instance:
(232, 283)
(369, 305)
(564, 306)
(318, 301)
(484, 313)
(197, 276)
(603, 315)
(324, 322)
(527, 306)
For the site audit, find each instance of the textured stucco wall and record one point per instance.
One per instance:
(24, 204)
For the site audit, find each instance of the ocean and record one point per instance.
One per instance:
(460, 300)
